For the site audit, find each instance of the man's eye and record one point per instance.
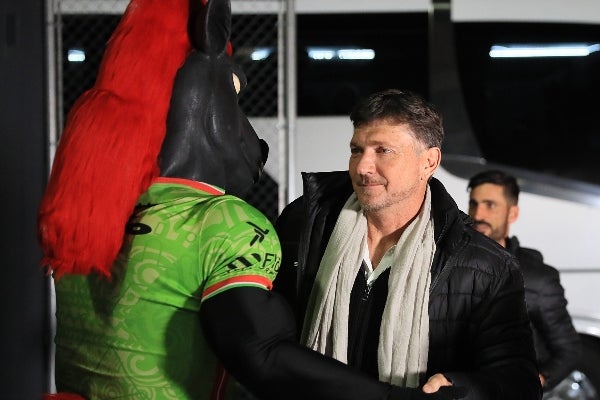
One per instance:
(384, 150)
(354, 150)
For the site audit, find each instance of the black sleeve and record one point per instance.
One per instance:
(252, 331)
(288, 227)
(554, 324)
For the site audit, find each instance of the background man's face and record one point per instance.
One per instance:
(491, 211)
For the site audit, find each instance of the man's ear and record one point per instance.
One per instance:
(432, 158)
(513, 213)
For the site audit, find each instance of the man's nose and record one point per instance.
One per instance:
(478, 212)
(365, 164)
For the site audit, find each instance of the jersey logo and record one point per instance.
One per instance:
(245, 263)
(259, 233)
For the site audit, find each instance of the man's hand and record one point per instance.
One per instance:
(434, 383)
(438, 387)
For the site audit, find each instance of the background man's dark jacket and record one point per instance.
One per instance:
(556, 342)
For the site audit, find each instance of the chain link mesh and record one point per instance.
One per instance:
(87, 25)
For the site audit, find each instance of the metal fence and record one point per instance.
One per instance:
(79, 30)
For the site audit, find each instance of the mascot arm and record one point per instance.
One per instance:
(252, 331)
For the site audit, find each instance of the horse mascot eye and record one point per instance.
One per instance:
(165, 104)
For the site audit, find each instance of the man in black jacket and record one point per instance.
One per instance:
(493, 204)
(386, 274)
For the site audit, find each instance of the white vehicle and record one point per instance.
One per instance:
(535, 117)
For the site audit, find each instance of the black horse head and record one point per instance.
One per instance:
(209, 138)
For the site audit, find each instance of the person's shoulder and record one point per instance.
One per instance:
(487, 245)
(322, 190)
(530, 254)
(291, 213)
(533, 266)
(533, 258)
(232, 209)
(486, 254)
(487, 265)
(327, 187)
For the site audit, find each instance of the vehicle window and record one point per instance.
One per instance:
(537, 113)
(331, 86)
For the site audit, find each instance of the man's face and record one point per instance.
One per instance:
(388, 166)
(491, 211)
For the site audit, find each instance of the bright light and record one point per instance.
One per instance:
(321, 54)
(260, 53)
(559, 50)
(356, 54)
(76, 55)
(331, 53)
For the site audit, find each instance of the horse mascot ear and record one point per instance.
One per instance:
(109, 150)
(209, 138)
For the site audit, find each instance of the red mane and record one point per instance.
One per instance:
(107, 155)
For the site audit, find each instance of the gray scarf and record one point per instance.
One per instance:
(404, 333)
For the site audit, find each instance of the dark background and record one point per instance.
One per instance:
(500, 131)
(24, 332)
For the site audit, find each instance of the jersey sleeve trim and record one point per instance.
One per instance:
(205, 187)
(236, 281)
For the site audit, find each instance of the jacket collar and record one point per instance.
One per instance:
(325, 186)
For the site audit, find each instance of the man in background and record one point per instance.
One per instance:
(493, 204)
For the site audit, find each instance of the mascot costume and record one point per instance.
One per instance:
(162, 271)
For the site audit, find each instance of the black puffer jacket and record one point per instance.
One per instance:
(556, 342)
(479, 330)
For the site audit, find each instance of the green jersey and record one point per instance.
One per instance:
(138, 335)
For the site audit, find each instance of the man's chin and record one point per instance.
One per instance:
(371, 206)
